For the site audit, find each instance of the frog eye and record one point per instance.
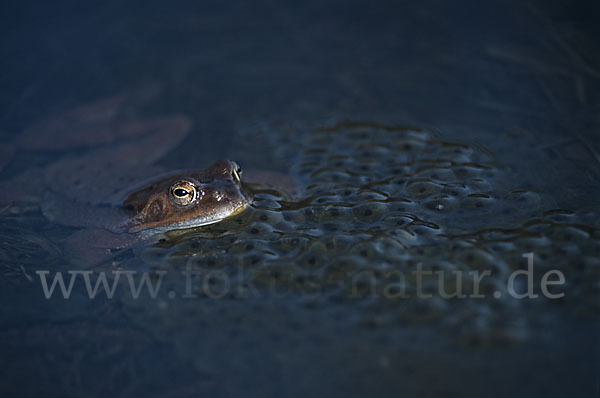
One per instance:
(237, 171)
(182, 193)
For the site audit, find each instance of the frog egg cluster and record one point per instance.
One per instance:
(381, 202)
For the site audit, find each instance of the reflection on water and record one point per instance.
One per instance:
(362, 284)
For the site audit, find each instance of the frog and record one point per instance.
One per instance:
(109, 187)
(164, 207)
(103, 178)
(183, 200)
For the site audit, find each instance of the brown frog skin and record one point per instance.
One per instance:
(186, 200)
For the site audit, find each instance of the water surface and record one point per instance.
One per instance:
(421, 136)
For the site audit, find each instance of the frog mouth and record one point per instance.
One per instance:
(150, 229)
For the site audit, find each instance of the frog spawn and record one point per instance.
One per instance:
(378, 203)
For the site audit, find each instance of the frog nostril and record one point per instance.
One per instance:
(236, 172)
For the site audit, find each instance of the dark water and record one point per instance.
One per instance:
(448, 139)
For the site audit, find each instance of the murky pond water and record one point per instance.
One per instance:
(442, 236)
